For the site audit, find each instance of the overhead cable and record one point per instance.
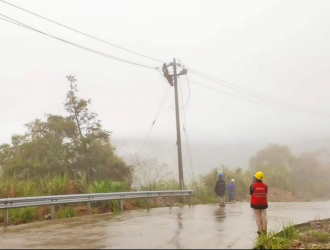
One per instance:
(264, 104)
(256, 94)
(82, 33)
(154, 122)
(185, 130)
(15, 22)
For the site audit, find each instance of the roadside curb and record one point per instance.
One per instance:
(302, 225)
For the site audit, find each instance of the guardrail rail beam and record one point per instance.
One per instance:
(11, 203)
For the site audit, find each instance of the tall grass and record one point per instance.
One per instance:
(54, 185)
(163, 185)
(315, 236)
(273, 240)
(204, 187)
(107, 186)
(23, 215)
(66, 212)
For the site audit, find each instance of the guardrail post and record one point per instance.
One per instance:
(89, 207)
(121, 204)
(53, 212)
(148, 205)
(6, 218)
(170, 202)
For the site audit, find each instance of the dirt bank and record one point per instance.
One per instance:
(315, 235)
(278, 195)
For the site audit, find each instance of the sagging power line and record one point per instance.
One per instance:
(211, 78)
(185, 130)
(15, 22)
(256, 94)
(82, 33)
(260, 103)
(154, 122)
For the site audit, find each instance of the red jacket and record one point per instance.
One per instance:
(259, 195)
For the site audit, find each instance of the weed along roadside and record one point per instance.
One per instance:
(312, 235)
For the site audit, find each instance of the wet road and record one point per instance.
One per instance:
(205, 226)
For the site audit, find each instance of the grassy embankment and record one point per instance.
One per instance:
(313, 235)
(64, 185)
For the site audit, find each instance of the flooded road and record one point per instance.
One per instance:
(203, 226)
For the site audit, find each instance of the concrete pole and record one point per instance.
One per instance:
(177, 111)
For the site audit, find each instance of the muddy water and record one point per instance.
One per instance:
(206, 226)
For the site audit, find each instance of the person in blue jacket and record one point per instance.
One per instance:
(231, 190)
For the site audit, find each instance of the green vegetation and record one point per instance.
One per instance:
(313, 236)
(273, 240)
(72, 144)
(107, 186)
(304, 175)
(66, 212)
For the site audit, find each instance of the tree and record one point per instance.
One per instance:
(275, 156)
(311, 174)
(43, 149)
(72, 144)
(150, 173)
(277, 163)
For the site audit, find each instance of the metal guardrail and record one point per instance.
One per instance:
(10, 203)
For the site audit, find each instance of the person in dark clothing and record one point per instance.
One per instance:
(220, 190)
(167, 75)
(259, 202)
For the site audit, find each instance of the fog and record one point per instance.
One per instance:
(277, 48)
(208, 154)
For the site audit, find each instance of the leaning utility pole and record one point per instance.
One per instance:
(173, 81)
(178, 131)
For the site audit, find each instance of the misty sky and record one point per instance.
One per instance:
(277, 48)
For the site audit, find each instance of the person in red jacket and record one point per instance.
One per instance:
(259, 202)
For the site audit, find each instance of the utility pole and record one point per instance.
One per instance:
(178, 131)
(173, 81)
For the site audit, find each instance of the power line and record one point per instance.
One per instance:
(256, 94)
(15, 22)
(208, 77)
(185, 130)
(264, 99)
(282, 107)
(184, 105)
(249, 100)
(274, 100)
(153, 124)
(82, 33)
(233, 86)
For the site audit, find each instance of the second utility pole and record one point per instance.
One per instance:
(178, 126)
